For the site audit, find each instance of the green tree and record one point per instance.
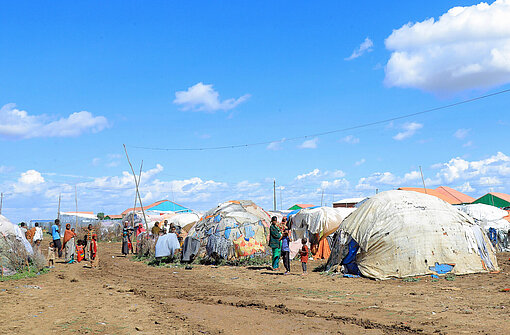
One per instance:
(100, 216)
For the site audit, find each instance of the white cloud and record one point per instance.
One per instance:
(310, 144)
(18, 124)
(409, 130)
(313, 173)
(365, 46)
(466, 48)
(350, 139)
(277, 145)
(31, 177)
(466, 188)
(361, 161)
(204, 98)
(461, 133)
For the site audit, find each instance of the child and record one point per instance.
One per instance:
(304, 255)
(80, 252)
(94, 259)
(286, 251)
(51, 255)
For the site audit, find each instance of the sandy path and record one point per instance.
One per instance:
(126, 297)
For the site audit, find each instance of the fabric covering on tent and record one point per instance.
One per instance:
(7, 228)
(403, 234)
(217, 230)
(167, 245)
(491, 219)
(320, 220)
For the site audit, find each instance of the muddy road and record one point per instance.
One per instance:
(127, 297)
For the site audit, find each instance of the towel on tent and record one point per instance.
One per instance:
(167, 245)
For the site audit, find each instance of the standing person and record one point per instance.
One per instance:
(274, 242)
(55, 234)
(38, 237)
(303, 252)
(155, 230)
(69, 244)
(23, 227)
(88, 241)
(126, 238)
(94, 258)
(286, 251)
(51, 255)
(140, 229)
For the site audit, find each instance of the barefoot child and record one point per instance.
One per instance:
(94, 259)
(304, 255)
(51, 255)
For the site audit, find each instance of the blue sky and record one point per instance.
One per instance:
(87, 77)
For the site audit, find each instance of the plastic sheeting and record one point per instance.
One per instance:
(320, 220)
(220, 227)
(403, 234)
(7, 228)
(167, 245)
(490, 218)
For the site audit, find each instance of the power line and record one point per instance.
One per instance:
(327, 132)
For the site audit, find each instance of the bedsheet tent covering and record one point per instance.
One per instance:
(403, 233)
(11, 237)
(220, 232)
(320, 220)
(491, 219)
(167, 245)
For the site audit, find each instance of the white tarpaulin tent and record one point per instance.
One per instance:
(402, 233)
(319, 220)
(488, 217)
(7, 228)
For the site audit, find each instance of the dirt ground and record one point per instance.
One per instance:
(127, 297)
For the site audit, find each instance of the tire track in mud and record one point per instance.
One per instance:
(146, 278)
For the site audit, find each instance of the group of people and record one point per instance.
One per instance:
(74, 250)
(34, 235)
(157, 230)
(279, 242)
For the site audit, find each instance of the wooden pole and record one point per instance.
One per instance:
(1, 204)
(137, 191)
(423, 180)
(133, 216)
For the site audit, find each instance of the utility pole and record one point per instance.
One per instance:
(1, 202)
(76, 202)
(423, 180)
(274, 195)
(58, 210)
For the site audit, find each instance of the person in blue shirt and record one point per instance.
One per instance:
(286, 250)
(55, 234)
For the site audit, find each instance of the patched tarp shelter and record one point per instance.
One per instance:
(15, 249)
(320, 220)
(402, 233)
(492, 220)
(232, 229)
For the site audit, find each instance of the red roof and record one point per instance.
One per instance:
(461, 197)
(445, 193)
(144, 207)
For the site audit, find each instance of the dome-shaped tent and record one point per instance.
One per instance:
(403, 233)
(233, 229)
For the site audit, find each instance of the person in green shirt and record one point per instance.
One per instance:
(274, 242)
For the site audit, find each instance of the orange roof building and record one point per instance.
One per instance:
(445, 193)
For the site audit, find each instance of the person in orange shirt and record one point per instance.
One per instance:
(304, 255)
(94, 258)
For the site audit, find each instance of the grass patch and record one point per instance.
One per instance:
(253, 260)
(410, 279)
(30, 273)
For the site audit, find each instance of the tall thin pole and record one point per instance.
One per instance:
(58, 210)
(423, 180)
(137, 190)
(76, 203)
(1, 204)
(274, 194)
(134, 206)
